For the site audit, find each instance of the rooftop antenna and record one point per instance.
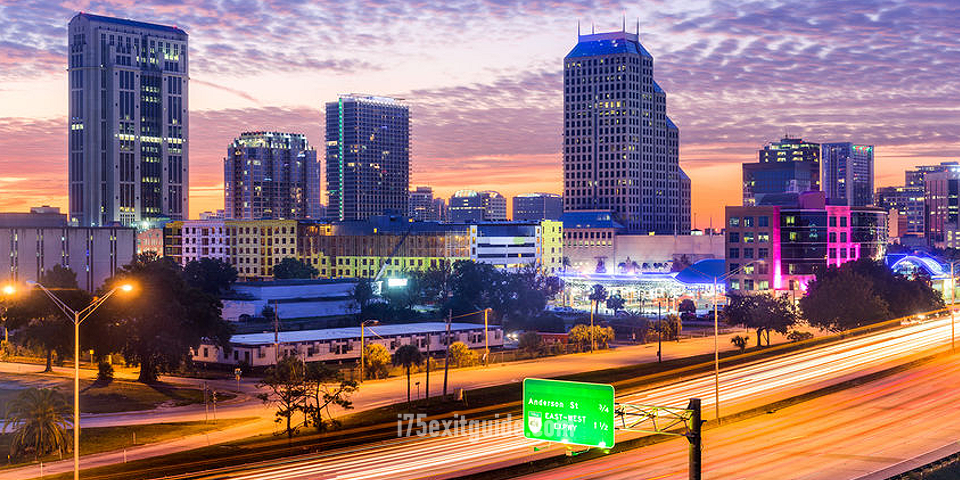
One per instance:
(638, 27)
(578, 29)
(593, 28)
(623, 17)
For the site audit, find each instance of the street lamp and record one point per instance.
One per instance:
(952, 300)
(363, 325)
(78, 317)
(716, 331)
(8, 291)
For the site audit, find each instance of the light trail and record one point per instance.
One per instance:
(759, 382)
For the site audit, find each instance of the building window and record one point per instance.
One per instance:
(763, 253)
(833, 221)
(734, 221)
(734, 237)
(747, 253)
(748, 221)
(763, 221)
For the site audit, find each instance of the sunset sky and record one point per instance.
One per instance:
(484, 82)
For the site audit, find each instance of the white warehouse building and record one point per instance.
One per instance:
(343, 344)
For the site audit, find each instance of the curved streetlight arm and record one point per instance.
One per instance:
(74, 315)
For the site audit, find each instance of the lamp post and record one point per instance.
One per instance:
(593, 304)
(952, 300)
(7, 291)
(716, 331)
(486, 338)
(363, 324)
(78, 317)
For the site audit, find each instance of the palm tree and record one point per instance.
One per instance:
(407, 356)
(39, 420)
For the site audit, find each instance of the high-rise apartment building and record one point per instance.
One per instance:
(128, 122)
(368, 157)
(537, 206)
(271, 176)
(620, 150)
(942, 207)
(790, 166)
(847, 173)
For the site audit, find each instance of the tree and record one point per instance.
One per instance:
(671, 327)
(287, 385)
(687, 306)
(211, 276)
(616, 303)
(40, 322)
(741, 342)
(326, 386)
(461, 355)
(39, 418)
(104, 374)
(167, 320)
(597, 295)
(290, 267)
(865, 291)
(843, 301)
(680, 263)
(407, 356)
(762, 312)
(363, 297)
(579, 336)
(530, 342)
(376, 361)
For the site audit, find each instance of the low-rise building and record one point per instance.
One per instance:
(344, 344)
(290, 299)
(781, 247)
(31, 243)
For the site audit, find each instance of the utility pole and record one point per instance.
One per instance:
(716, 352)
(659, 333)
(446, 358)
(486, 339)
(953, 288)
(694, 436)
(427, 388)
(593, 304)
(276, 332)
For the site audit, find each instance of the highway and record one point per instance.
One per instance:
(852, 434)
(741, 388)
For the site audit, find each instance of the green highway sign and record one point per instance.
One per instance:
(576, 413)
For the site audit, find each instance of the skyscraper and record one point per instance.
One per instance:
(271, 176)
(848, 174)
(620, 150)
(908, 202)
(790, 166)
(368, 157)
(128, 139)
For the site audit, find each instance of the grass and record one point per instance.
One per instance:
(118, 396)
(107, 439)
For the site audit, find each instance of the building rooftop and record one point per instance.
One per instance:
(131, 23)
(590, 219)
(611, 43)
(299, 336)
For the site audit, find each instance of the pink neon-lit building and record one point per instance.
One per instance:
(781, 247)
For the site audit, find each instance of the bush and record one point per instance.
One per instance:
(376, 361)
(531, 342)
(104, 374)
(741, 342)
(798, 336)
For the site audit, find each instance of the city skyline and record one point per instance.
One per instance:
(476, 118)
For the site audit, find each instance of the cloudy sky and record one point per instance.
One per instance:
(483, 79)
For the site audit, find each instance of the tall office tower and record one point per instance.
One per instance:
(422, 205)
(537, 206)
(128, 121)
(790, 166)
(942, 207)
(915, 178)
(908, 202)
(620, 150)
(368, 157)
(848, 174)
(271, 176)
